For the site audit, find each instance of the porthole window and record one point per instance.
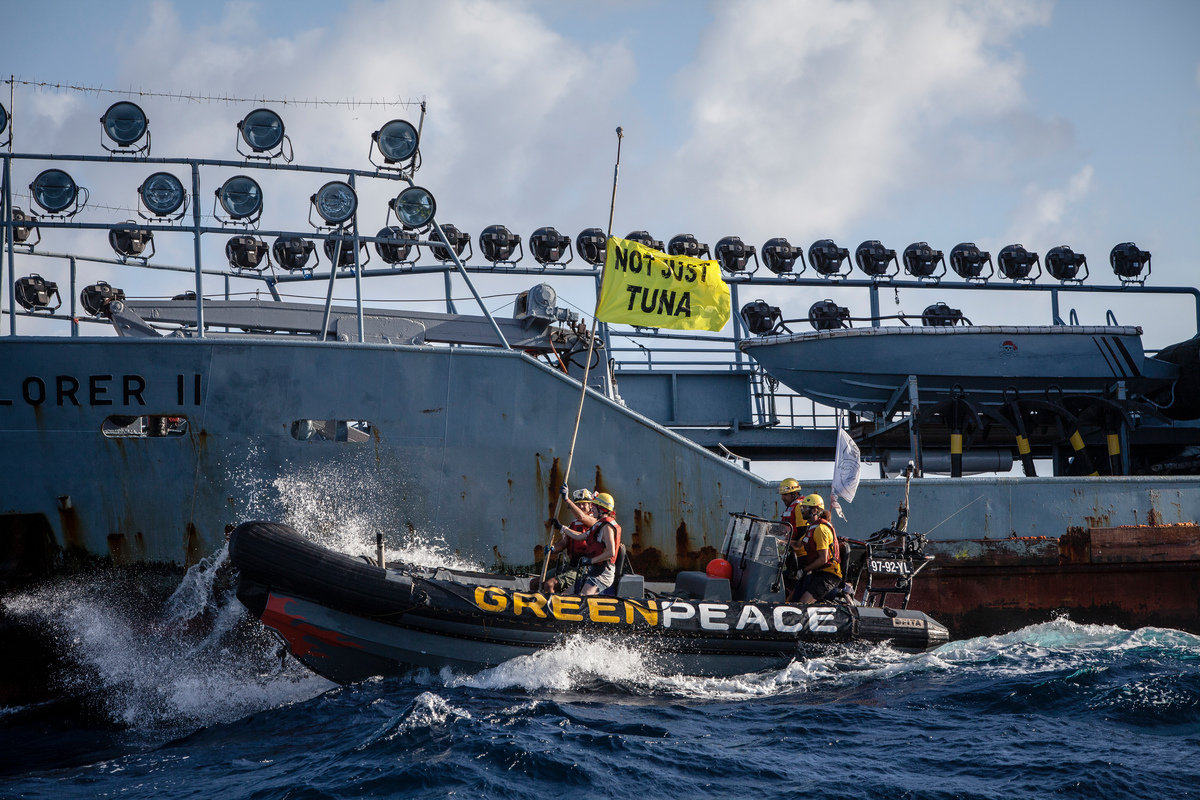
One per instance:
(331, 430)
(149, 426)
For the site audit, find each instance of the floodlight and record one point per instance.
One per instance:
(393, 252)
(397, 141)
(131, 242)
(780, 256)
(34, 293)
(1017, 263)
(262, 131)
(827, 259)
(242, 199)
(498, 244)
(247, 252)
(414, 207)
(3, 118)
(163, 194)
(873, 259)
(921, 261)
(643, 237)
(55, 191)
(733, 254)
(336, 202)
(940, 315)
(1127, 262)
(548, 246)
(592, 246)
(339, 249)
(96, 298)
(684, 244)
(827, 315)
(761, 318)
(21, 233)
(125, 123)
(459, 240)
(967, 261)
(292, 252)
(1063, 264)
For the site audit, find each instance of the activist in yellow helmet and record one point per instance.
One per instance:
(605, 501)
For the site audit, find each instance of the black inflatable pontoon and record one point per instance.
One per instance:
(347, 619)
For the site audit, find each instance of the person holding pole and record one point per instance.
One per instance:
(601, 541)
(573, 543)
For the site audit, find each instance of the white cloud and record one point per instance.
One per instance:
(813, 116)
(1043, 211)
(512, 104)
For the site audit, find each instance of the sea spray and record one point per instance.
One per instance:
(157, 665)
(340, 507)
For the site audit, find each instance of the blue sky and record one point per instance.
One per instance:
(1043, 123)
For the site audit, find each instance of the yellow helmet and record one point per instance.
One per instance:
(605, 501)
(789, 486)
(582, 496)
(813, 500)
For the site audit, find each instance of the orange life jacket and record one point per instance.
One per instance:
(575, 547)
(595, 538)
(792, 516)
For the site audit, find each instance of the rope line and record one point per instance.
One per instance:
(196, 97)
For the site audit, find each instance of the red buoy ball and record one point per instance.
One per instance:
(719, 568)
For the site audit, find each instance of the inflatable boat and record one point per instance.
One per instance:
(348, 619)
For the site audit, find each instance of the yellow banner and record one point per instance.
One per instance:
(654, 290)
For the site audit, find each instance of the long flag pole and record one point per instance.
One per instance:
(587, 365)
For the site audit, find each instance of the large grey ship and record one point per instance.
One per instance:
(148, 446)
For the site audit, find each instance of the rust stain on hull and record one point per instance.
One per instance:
(1134, 576)
(599, 486)
(192, 546)
(72, 530)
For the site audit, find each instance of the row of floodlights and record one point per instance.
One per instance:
(881, 263)
(128, 130)
(764, 319)
(35, 294)
(240, 197)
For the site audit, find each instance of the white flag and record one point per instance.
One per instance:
(846, 465)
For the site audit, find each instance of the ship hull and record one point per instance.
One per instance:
(467, 449)
(1130, 576)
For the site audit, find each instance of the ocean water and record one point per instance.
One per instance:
(194, 700)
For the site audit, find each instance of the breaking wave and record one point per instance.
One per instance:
(159, 665)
